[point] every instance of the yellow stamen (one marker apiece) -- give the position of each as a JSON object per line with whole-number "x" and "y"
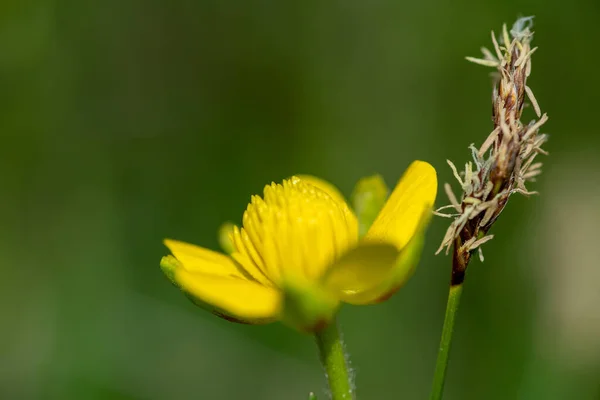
{"x": 296, "y": 231}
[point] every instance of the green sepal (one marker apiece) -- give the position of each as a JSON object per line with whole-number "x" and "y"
{"x": 225, "y": 237}
{"x": 308, "y": 307}
{"x": 168, "y": 265}
{"x": 368, "y": 197}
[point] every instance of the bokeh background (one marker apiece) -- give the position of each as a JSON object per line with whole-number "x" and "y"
{"x": 124, "y": 122}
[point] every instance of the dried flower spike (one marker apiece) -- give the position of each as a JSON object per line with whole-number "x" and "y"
{"x": 505, "y": 160}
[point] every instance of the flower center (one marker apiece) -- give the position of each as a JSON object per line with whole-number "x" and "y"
{"x": 296, "y": 231}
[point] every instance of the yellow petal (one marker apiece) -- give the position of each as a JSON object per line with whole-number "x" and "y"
{"x": 200, "y": 260}
{"x": 399, "y": 219}
{"x": 334, "y": 193}
{"x": 401, "y": 270}
{"x": 240, "y": 299}
{"x": 359, "y": 273}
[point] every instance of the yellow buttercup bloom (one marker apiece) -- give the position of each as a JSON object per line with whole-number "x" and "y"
{"x": 298, "y": 253}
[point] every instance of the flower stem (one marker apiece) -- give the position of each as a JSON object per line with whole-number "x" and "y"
{"x": 442, "y": 359}
{"x": 333, "y": 358}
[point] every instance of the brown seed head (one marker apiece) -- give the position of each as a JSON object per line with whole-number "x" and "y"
{"x": 504, "y": 162}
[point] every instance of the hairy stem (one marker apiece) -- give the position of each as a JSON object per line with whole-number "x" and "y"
{"x": 333, "y": 358}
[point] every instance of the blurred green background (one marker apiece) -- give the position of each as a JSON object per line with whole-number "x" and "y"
{"x": 124, "y": 122}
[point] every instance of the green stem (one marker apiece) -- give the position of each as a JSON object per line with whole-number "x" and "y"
{"x": 333, "y": 358}
{"x": 446, "y": 340}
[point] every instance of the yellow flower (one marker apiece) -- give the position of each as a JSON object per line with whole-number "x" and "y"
{"x": 298, "y": 253}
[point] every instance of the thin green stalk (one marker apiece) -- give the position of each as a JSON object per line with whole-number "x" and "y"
{"x": 442, "y": 359}
{"x": 333, "y": 358}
